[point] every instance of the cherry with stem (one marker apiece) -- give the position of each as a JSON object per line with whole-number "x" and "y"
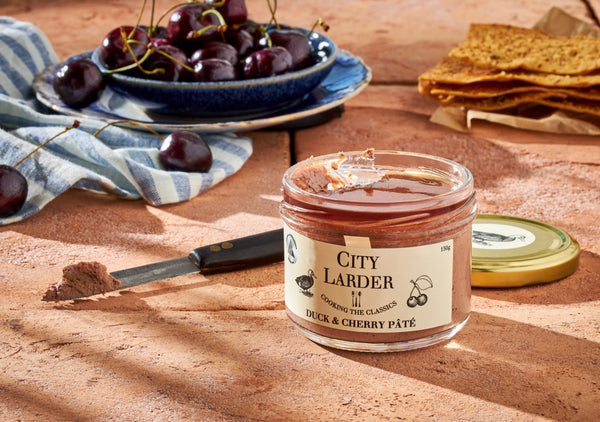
{"x": 13, "y": 185}
{"x": 180, "y": 151}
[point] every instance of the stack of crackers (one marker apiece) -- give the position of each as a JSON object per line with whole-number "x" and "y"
{"x": 499, "y": 67}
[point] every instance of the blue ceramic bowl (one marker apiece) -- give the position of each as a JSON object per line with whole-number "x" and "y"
{"x": 240, "y": 99}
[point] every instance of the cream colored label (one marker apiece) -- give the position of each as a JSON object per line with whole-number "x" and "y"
{"x": 358, "y": 288}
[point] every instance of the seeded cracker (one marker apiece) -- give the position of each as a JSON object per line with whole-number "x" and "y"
{"x": 496, "y": 89}
{"x": 457, "y": 71}
{"x": 495, "y": 103}
{"x": 501, "y": 67}
{"x": 509, "y": 47}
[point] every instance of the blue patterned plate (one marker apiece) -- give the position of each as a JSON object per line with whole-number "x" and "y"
{"x": 348, "y": 77}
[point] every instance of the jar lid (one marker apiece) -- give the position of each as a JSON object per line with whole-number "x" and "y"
{"x": 514, "y": 252}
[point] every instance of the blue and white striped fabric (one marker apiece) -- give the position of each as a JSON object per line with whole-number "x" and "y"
{"x": 119, "y": 161}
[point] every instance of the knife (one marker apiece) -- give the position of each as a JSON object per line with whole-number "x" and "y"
{"x": 245, "y": 252}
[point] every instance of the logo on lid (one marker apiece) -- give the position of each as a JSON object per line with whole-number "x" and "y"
{"x": 500, "y": 236}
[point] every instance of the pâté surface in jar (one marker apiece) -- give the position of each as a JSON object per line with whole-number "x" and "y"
{"x": 378, "y": 249}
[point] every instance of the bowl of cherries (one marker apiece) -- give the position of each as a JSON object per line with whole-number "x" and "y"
{"x": 211, "y": 61}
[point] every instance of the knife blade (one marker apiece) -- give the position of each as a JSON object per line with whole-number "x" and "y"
{"x": 237, "y": 254}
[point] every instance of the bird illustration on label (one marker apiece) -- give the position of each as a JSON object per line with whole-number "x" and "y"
{"x": 305, "y": 282}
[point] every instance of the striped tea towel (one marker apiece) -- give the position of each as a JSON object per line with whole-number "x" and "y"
{"x": 119, "y": 161}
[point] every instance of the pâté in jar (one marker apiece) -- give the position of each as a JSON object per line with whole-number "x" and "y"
{"x": 378, "y": 249}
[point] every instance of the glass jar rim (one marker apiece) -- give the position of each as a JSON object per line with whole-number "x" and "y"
{"x": 452, "y": 172}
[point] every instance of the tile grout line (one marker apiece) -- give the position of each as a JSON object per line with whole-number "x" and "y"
{"x": 592, "y": 12}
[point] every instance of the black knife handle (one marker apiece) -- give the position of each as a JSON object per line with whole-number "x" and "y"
{"x": 245, "y": 252}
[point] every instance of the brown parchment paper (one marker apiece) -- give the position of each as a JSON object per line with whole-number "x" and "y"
{"x": 556, "y": 22}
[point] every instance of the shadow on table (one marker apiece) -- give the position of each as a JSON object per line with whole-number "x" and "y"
{"x": 88, "y": 219}
{"x": 509, "y": 363}
{"x": 81, "y": 345}
{"x": 493, "y": 359}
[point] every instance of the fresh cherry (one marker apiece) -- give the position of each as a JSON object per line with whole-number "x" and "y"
{"x": 185, "y": 151}
{"x": 233, "y": 11}
{"x": 267, "y": 62}
{"x": 192, "y": 25}
{"x": 166, "y": 63}
{"x": 253, "y": 28}
{"x": 215, "y": 70}
{"x": 78, "y": 83}
{"x": 13, "y": 190}
{"x": 296, "y": 43}
{"x": 242, "y": 41}
{"x": 216, "y": 50}
{"x": 13, "y": 185}
{"x": 115, "y": 49}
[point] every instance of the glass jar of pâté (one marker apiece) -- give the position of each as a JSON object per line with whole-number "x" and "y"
{"x": 378, "y": 249}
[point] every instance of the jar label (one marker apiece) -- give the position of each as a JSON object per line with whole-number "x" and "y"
{"x": 377, "y": 290}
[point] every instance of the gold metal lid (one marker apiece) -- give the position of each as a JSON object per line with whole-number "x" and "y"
{"x": 515, "y": 252}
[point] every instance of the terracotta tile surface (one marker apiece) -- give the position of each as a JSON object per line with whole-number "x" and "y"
{"x": 220, "y": 347}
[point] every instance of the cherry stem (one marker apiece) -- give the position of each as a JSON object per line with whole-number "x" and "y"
{"x": 126, "y": 44}
{"x": 139, "y": 18}
{"x": 168, "y": 56}
{"x": 217, "y": 14}
{"x": 197, "y": 34}
{"x": 273, "y": 9}
{"x": 127, "y": 37}
{"x": 318, "y": 22}
{"x": 221, "y": 28}
{"x": 269, "y": 40}
{"x": 137, "y": 63}
{"x": 133, "y": 122}
{"x": 73, "y": 126}
{"x": 151, "y": 30}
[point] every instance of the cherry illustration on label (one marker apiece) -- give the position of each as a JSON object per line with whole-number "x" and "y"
{"x": 417, "y": 297}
